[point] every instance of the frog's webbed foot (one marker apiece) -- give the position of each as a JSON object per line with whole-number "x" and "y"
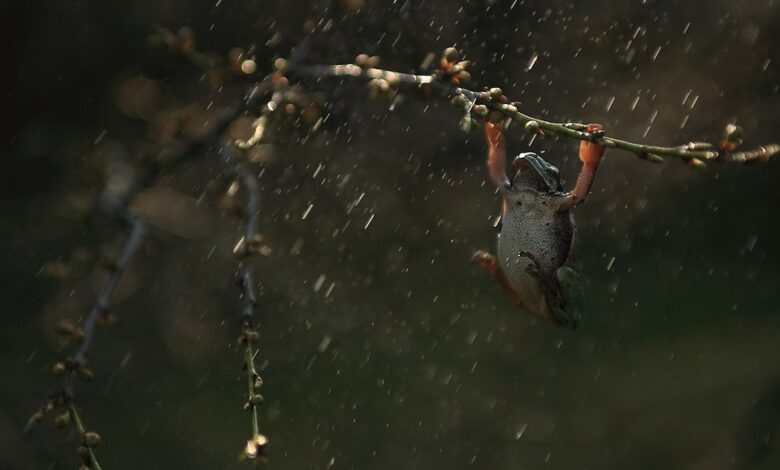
{"x": 490, "y": 264}
{"x": 552, "y": 292}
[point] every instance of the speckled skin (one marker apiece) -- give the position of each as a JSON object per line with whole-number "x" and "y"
{"x": 537, "y": 231}
{"x": 536, "y": 238}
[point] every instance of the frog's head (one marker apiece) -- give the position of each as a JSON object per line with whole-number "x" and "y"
{"x": 530, "y": 171}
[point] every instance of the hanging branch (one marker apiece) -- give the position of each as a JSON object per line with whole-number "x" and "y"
{"x": 445, "y": 83}
{"x": 75, "y": 367}
{"x": 249, "y": 244}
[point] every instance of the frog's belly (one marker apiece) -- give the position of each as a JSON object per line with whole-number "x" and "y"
{"x": 531, "y": 248}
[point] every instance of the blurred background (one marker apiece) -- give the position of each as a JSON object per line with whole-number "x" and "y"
{"x": 382, "y": 346}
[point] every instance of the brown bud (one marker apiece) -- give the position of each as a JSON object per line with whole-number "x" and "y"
{"x": 258, "y": 382}
{"x": 362, "y": 61}
{"x": 697, "y": 164}
{"x": 495, "y": 94}
{"x": 732, "y": 138}
{"x": 733, "y": 133}
{"x": 451, "y": 54}
{"x": 34, "y": 421}
{"x": 257, "y": 245}
{"x": 280, "y": 64}
{"x": 255, "y": 446}
{"x": 91, "y": 439}
{"x": 256, "y": 399}
{"x": 62, "y": 420}
{"x": 251, "y": 336}
{"x": 83, "y": 373}
{"x": 249, "y": 66}
{"x": 464, "y": 78}
{"x": 58, "y": 368}
{"x": 82, "y": 452}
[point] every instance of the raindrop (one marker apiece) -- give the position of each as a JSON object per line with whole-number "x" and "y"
{"x": 318, "y": 284}
{"x": 610, "y": 102}
{"x": 655, "y": 53}
{"x": 634, "y": 102}
{"x": 370, "y": 219}
{"x": 532, "y": 62}
{"x": 306, "y": 213}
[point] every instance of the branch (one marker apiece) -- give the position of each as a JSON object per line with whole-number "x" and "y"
{"x": 445, "y": 84}
{"x": 100, "y": 309}
{"x": 250, "y": 243}
{"x": 75, "y": 367}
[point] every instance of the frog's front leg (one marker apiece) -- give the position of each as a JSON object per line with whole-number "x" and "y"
{"x": 591, "y": 153}
{"x": 490, "y": 264}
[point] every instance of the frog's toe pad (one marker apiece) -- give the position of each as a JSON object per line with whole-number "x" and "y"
{"x": 484, "y": 259}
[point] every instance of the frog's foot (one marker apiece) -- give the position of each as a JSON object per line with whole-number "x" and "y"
{"x": 485, "y": 260}
{"x": 490, "y": 264}
{"x": 552, "y": 292}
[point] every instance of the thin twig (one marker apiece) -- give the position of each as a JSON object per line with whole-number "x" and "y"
{"x": 249, "y": 335}
{"x": 74, "y": 415}
{"x": 100, "y": 309}
{"x": 499, "y": 103}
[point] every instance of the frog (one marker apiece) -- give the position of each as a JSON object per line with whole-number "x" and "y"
{"x": 537, "y": 229}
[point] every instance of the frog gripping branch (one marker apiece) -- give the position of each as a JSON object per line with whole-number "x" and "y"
{"x": 537, "y": 229}
{"x": 591, "y": 153}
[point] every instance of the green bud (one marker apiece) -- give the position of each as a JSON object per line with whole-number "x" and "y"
{"x": 464, "y": 77}
{"x": 651, "y": 157}
{"x": 466, "y": 124}
{"x": 459, "y": 101}
{"x": 480, "y": 110}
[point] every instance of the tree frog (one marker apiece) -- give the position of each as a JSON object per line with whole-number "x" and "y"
{"x": 537, "y": 229}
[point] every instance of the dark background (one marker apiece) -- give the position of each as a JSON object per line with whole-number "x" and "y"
{"x": 413, "y": 359}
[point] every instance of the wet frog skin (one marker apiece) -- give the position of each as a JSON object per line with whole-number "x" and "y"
{"x": 537, "y": 230}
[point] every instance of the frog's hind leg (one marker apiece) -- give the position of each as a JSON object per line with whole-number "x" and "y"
{"x": 552, "y": 292}
{"x": 490, "y": 264}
